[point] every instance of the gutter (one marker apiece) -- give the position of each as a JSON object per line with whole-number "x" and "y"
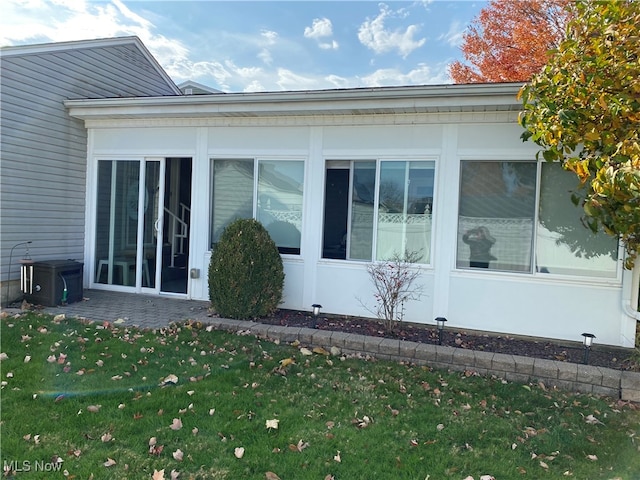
{"x": 489, "y": 97}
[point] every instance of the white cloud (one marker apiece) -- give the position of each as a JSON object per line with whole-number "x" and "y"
{"x": 454, "y": 36}
{"x": 270, "y": 36}
{"x": 421, "y": 75}
{"x": 374, "y": 35}
{"x": 320, "y": 29}
{"x": 333, "y": 45}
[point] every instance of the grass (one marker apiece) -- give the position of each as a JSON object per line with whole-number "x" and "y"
{"x": 98, "y": 408}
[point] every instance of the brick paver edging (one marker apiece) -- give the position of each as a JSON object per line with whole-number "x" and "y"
{"x": 618, "y": 384}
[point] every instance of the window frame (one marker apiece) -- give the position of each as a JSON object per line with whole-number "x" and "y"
{"x": 348, "y": 163}
{"x": 533, "y": 271}
{"x": 255, "y": 190}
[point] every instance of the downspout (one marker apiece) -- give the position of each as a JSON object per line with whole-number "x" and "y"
{"x": 630, "y": 305}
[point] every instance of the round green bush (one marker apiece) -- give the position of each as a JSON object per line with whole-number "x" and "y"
{"x": 246, "y": 277}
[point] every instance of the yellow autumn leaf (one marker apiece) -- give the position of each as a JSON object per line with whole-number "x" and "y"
{"x": 286, "y": 362}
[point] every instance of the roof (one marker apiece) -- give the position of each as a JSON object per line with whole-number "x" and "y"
{"x": 358, "y": 101}
{"x": 196, "y": 88}
{"x": 24, "y": 50}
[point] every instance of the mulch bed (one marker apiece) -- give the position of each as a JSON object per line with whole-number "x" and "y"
{"x": 600, "y": 355}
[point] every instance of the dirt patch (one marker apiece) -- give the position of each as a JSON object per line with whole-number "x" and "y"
{"x": 600, "y": 355}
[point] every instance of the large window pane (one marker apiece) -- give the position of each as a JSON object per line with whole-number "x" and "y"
{"x": 496, "y": 215}
{"x": 277, "y": 203}
{"x": 232, "y": 197}
{"x": 564, "y": 245}
{"x": 404, "y": 210}
{"x": 362, "y": 210}
{"x": 280, "y": 202}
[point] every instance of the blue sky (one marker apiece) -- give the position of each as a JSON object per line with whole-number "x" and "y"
{"x": 245, "y": 46}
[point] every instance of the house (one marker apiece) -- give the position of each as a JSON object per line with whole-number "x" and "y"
{"x": 44, "y": 150}
{"x": 194, "y": 88}
{"x": 342, "y": 178}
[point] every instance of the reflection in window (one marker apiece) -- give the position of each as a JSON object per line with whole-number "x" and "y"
{"x": 280, "y": 202}
{"x": 274, "y": 198}
{"x": 375, "y": 210}
{"x": 564, "y": 245}
{"x": 496, "y": 215}
{"x": 496, "y": 225}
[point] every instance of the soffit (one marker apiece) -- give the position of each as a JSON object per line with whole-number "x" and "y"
{"x": 348, "y": 102}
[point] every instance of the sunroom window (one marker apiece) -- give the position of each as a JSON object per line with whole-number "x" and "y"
{"x": 498, "y": 228}
{"x": 563, "y": 245}
{"x": 377, "y": 209}
{"x": 270, "y": 191}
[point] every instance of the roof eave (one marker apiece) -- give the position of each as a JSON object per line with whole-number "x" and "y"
{"x": 414, "y": 99}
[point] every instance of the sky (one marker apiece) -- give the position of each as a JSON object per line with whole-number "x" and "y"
{"x": 255, "y": 46}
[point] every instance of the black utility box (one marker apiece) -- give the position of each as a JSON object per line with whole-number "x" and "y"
{"x": 50, "y": 278}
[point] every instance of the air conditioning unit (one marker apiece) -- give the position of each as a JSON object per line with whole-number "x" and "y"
{"x": 55, "y": 282}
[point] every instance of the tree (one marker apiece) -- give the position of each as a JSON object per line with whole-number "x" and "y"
{"x": 510, "y": 39}
{"x": 583, "y": 109}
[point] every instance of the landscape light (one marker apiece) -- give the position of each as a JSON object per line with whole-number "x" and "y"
{"x": 440, "y": 322}
{"x": 587, "y": 342}
{"x": 316, "y": 312}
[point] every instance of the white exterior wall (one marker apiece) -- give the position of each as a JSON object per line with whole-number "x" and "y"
{"x": 518, "y": 304}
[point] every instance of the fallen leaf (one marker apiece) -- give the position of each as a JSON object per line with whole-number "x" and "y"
{"x": 487, "y": 477}
{"x": 110, "y": 462}
{"x": 305, "y": 351}
{"x": 174, "y": 474}
{"x": 272, "y": 424}
{"x": 590, "y": 419}
{"x": 239, "y": 452}
{"x": 176, "y": 424}
{"x": 299, "y": 447}
{"x": 3, "y": 356}
{"x": 544, "y": 465}
{"x": 106, "y": 437}
{"x": 288, "y": 361}
{"x": 27, "y": 358}
{"x": 169, "y": 380}
{"x": 271, "y": 476}
{"x": 178, "y": 455}
{"x": 320, "y": 351}
{"x": 593, "y": 458}
{"x": 337, "y": 457}
{"x": 94, "y": 408}
{"x": 158, "y": 475}
{"x": 440, "y": 427}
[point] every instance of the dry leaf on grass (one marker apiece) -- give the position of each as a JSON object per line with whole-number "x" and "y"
{"x": 299, "y": 447}
{"x": 178, "y": 455}
{"x": 271, "y": 476}
{"x": 176, "y": 424}
{"x": 239, "y": 452}
{"x": 158, "y": 475}
{"x": 110, "y": 462}
{"x": 272, "y": 424}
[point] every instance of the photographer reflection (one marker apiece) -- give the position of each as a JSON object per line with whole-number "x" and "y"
{"x": 480, "y": 242}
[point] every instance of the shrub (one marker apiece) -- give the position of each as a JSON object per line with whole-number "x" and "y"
{"x": 246, "y": 277}
{"x": 394, "y": 284}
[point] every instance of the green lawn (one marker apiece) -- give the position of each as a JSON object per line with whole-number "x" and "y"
{"x": 88, "y": 400}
